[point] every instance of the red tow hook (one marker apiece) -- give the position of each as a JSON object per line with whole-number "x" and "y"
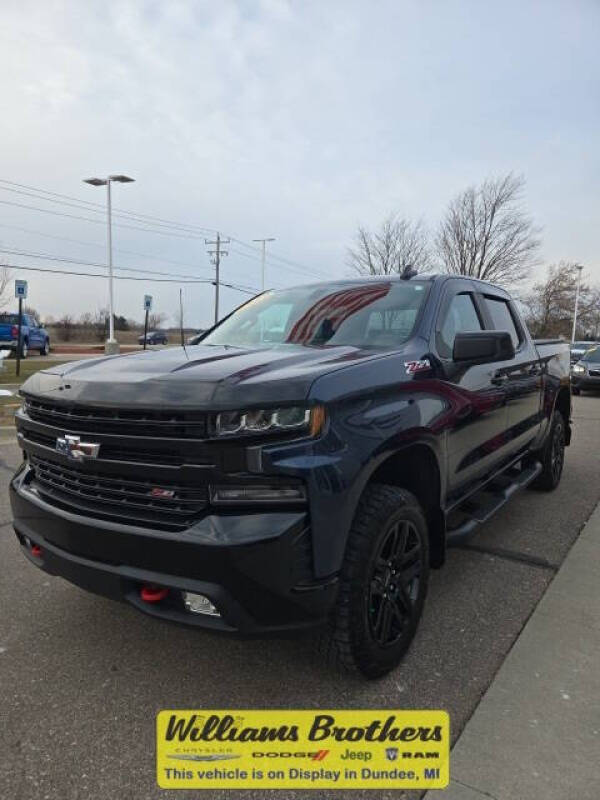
{"x": 36, "y": 550}
{"x": 153, "y": 594}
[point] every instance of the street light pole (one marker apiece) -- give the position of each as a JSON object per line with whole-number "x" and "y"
{"x": 263, "y": 257}
{"x": 111, "y": 318}
{"x": 580, "y": 270}
{"x": 111, "y": 346}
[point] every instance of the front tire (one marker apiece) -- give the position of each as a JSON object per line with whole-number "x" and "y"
{"x": 552, "y": 456}
{"x": 45, "y": 350}
{"x": 383, "y": 584}
{"x": 24, "y": 349}
{"x": 575, "y": 390}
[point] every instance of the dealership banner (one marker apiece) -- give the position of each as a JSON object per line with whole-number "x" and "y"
{"x": 368, "y": 749}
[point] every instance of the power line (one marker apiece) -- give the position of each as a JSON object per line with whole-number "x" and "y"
{"x": 153, "y": 224}
{"x": 98, "y": 221}
{"x": 125, "y": 277}
{"x": 103, "y": 246}
{"x": 98, "y": 207}
{"x": 67, "y": 260}
{"x": 150, "y": 220}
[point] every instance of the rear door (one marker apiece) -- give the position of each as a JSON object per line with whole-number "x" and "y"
{"x": 34, "y": 334}
{"x": 476, "y": 440}
{"x": 522, "y": 375}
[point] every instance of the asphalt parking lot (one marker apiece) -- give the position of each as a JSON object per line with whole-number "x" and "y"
{"x": 81, "y": 678}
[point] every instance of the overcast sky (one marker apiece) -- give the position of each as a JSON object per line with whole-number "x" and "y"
{"x": 295, "y": 120}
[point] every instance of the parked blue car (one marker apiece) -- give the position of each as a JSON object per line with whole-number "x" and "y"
{"x": 33, "y": 335}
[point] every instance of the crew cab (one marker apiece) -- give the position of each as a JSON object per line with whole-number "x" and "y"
{"x": 33, "y": 335}
{"x": 247, "y": 486}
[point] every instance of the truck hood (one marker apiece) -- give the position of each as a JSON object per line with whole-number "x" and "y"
{"x": 202, "y": 376}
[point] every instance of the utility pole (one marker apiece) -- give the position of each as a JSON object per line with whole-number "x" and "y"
{"x": 216, "y": 260}
{"x": 264, "y": 257}
{"x": 580, "y": 270}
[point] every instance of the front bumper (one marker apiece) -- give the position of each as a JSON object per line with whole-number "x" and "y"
{"x": 586, "y": 381}
{"x": 255, "y": 567}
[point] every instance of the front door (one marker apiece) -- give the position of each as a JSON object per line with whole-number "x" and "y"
{"x": 476, "y": 433}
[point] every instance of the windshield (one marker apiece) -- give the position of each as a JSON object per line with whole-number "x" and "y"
{"x": 592, "y": 355}
{"x": 381, "y": 314}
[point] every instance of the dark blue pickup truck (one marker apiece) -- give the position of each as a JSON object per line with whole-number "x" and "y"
{"x": 33, "y": 335}
{"x": 306, "y": 463}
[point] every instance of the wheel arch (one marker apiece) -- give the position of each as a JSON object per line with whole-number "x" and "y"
{"x": 415, "y": 467}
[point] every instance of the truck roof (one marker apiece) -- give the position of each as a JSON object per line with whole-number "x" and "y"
{"x": 431, "y": 277}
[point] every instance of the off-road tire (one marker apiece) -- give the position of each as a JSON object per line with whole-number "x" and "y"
{"x": 348, "y": 642}
{"x": 552, "y": 455}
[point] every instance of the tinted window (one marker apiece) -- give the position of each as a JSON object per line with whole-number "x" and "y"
{"x": 378, "y": 313}
{"x": 460, "y": 317}
{"x": 592, "y": 355}
{"x": 9, "y": 319}
{"x": 502, "y": 319}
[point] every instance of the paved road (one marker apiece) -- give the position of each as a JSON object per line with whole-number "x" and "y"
{"x": 81, "y": 678}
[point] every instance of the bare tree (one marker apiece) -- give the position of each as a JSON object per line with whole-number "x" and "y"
{"x": 66, "y": 324}
{"x": 100, "y": 323}
{"x": 397, "y": 243}
{"x": 487, "y": 234}
{"x": 5, "y": 280}
{"x": 156, "y": 319}
{"x": 551, "y": 304}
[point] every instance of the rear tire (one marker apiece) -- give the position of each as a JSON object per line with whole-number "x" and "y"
{"x": 24, "y": 349}
{"x": 552, "y": 456}
{"x": 383, "y": 584}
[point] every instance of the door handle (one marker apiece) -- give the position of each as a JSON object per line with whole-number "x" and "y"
{"x": 499, "y": 378}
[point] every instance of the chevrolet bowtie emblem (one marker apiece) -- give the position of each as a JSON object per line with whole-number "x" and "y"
{"x": 73, "y": 447}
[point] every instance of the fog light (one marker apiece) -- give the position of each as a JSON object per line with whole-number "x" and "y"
{"x": 199, "y": 604}
{"x": 258, "y": 494}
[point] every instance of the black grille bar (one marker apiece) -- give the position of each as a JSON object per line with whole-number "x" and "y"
{"x": 140, "y": 502}
{"x": 133, "y": 422}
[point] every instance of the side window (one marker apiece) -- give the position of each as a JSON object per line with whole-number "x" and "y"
{"x": 461, "y": 316}
{"x": 502, "y": 319}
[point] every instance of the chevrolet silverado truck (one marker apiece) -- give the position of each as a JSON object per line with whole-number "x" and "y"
{"x": 305, "y": 464}
{"x": 33, "y": 335}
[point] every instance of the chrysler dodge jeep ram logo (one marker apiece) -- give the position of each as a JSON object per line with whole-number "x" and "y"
{"x": 73, "y": 447}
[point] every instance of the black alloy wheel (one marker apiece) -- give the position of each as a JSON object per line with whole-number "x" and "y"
{"x": 552, "y": 455}
{"x": 394, "y": 585}
{"x": 382, "y": 584}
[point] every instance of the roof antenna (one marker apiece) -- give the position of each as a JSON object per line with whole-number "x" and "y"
{"x": 407, "y": 272}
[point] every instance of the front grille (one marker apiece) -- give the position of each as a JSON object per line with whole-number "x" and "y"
{"x": 118, "y": 498}
{"x": 90, "y": 419}
{"x": 140, "y": 453}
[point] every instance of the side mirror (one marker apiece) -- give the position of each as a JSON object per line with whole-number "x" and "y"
{"x": 483, "y": 346}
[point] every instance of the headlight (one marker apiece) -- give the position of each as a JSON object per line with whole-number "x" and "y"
{"x": 294, "y": 419}
{"x": 579, "y": 369}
